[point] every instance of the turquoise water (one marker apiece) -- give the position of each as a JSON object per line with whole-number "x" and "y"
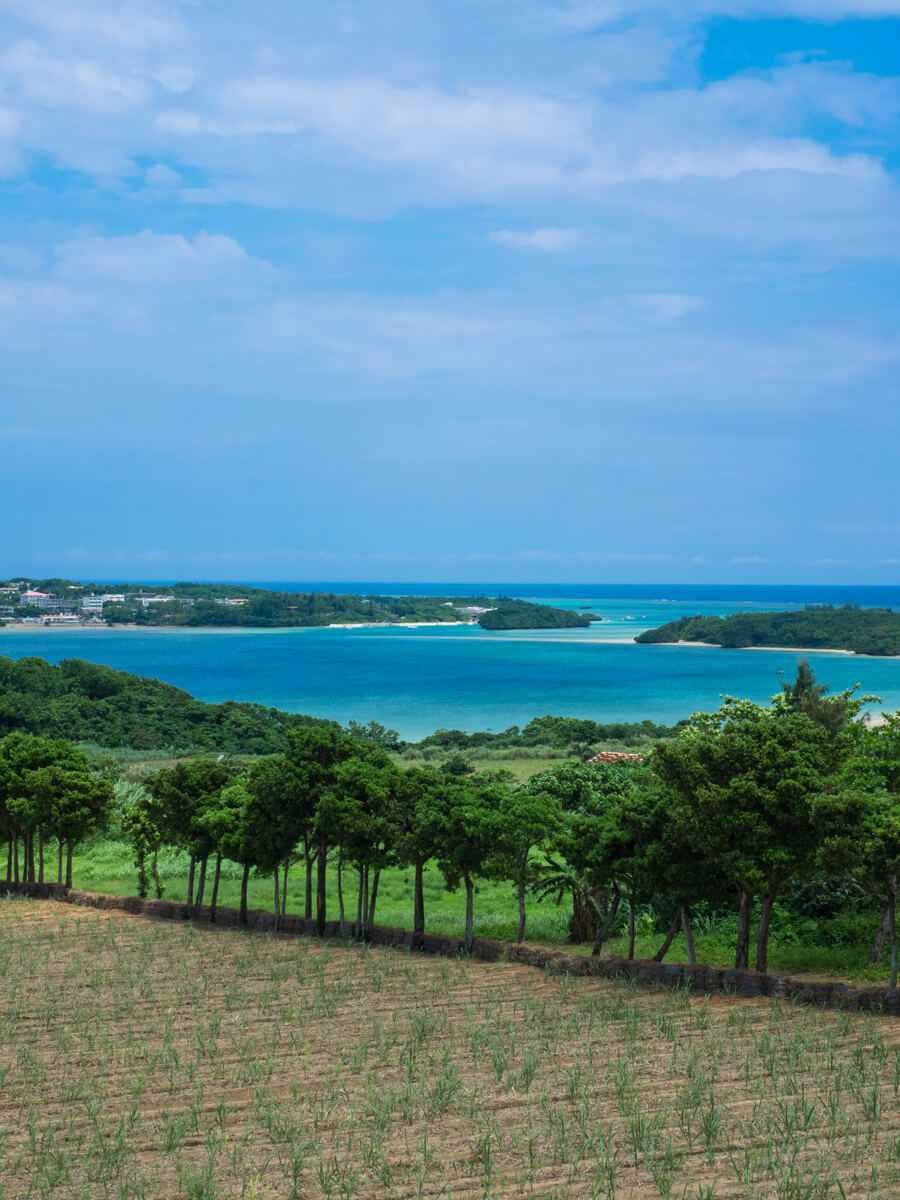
{"x": 416, "y": 680}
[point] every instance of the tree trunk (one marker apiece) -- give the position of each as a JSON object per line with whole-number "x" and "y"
{"x": 284, "y": 879}
{"x": 762, "y": 939}
{"x": 892, "y": 931}
{"x": 340, "y": 890}
{"x": 59, "y": 874}
{"x": 670, "y": 938}
{"x": 40, "y": 856}
{"x": 308, "y": 859}
{"x": 365, "y": 907}
{"x": 320, "y": 885}
{"x": 630, "y": 928}
{"x": 140, "y": 861}
{"x": 604, "y": 929}
{"x": 9, "y": 861}
{"x": 878, "y": 944}
{"x": 688, "y": 934}
{"x": 69, "y": 848}
{"x": 190, "y": 896}
{"x": 358, "y": 931}
{"x": 277, "y": 902}
{"x": 418, "y": 940}
{"x": 16, "y": 859}
{"x": 242, "y": 917}
{"x": 742, "y": 950}
{"x": 201, "y": 886}
{"x": 370, "y": 921}
{"x": 470, "y": 916}
{"x": 29, "y": 856}
{"x": 215, "y": 891}
{"x": 157, "y": 882}
{"x": 521, "y": 899}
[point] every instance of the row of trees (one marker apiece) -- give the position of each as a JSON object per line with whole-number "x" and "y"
{"x": 743, "y": 804}
{"x": 48, "y": 792}
{"x": 331, "y": 802}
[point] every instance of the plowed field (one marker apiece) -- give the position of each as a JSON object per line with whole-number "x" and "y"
{"x": 145, "y": 1060}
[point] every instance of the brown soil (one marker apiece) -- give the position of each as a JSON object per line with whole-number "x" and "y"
{"x": 140, "y": 1059}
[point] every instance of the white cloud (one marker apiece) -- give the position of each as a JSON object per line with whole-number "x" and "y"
{"x": 550, "y": 238}
{"x": 666, "y": 306}
{"x": 52, "y": 82}
{"x": 149, "y": 257}
{"x": 161, "y": 176}
{"x": 593, "y": 14}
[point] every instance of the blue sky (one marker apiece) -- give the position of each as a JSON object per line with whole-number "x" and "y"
{"x": 581, "y": 290}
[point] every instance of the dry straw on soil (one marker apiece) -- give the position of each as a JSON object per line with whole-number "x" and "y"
{"x": 144, "y": 1060}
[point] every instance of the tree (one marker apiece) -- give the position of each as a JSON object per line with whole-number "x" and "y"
{"x": 581, "y": 791}
{"x": 73, "y": 803}
{"x": 359, "y": 812}
{"x": 745, "y": 778}
{"x": 314, "y": 755}
{"x": 530, "y": 817}
{"x": 860, "y": 834}
{"x": 280, "y": 812}
{"x": 422, "y": 802}
{"x": 25, "y": 803}
{"x": 473, "y": 827}
{"x": 182, "y": 794}
{"x": 233, "y": 824}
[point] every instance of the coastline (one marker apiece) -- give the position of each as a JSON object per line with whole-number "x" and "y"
{"x": 784, "y": 649}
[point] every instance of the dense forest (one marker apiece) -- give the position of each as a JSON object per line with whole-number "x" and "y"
{"x": 817, "y": 627}
{"x": 87, "y": 702}
{"x": 519, "y": 614}
{"x": 560, "y": 733}
{"x": 223, "y": 604}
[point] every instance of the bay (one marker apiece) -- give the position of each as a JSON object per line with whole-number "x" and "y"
{"x": 419, "y": 679}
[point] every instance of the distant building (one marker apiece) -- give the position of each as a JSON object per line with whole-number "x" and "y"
{"x": 145, "y": 599}
{"x": 46, "y": 602}
{"x": 94, "y": 603}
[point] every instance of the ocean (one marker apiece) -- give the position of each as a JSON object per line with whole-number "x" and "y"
{"x": 418, "y": 680}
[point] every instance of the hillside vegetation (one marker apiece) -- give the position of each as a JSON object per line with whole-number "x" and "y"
{"x": 87, "y": 702}
{"x": 817, "y": 627}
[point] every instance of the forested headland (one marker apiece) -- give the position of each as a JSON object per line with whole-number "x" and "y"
{"x": 201, "y": 605}
{"x": 816, "y": 627}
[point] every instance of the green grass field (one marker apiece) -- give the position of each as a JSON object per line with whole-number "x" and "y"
{"x": 106, "y": 866}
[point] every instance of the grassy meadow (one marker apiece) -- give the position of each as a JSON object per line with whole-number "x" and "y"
{"x": 145, "y": 1061}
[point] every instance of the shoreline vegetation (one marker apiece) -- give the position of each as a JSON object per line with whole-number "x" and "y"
{"x": 820, "y": 627}
{"x": 62, "y": 602}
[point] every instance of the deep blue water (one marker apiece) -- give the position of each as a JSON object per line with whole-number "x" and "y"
{"x": 416, "y": 680}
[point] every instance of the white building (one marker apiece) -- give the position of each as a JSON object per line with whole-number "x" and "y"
{"x": 45, "y": 602}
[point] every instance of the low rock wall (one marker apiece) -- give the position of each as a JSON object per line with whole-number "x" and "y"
{"x": 646, "y": 972}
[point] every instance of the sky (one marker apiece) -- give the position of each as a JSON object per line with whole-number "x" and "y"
{"x": 577, "y": 290}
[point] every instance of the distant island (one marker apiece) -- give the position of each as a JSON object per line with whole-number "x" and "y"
{"x": 210, "y": 605}
{"x": 816, "y": 627}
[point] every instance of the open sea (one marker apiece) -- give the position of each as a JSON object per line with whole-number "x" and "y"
{"x": 420, "y": 679}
